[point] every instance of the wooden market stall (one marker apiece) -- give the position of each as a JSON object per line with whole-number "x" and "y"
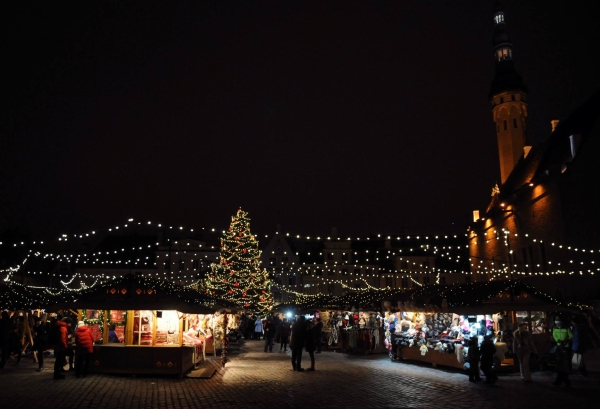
{"x": 433, "y": 324}
{"x": 141, "y": 326}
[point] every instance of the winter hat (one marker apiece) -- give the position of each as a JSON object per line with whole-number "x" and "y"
{"x": 80, "y": 323}
{"x": 67, "y": 320}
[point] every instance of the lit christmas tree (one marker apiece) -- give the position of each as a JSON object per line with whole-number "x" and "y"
{"x": 238, "y": 277}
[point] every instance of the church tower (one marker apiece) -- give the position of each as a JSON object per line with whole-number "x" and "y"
{"x": 508, "y": 97}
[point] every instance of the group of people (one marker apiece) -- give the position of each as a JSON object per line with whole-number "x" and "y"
{"x": 299, "y": 334}
{"x": 305, "y": 335}
{"x": 567, "y": 342}
{"x": 72, "y": 345}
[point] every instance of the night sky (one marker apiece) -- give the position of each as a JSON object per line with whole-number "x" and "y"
{"x": 371, "y": 116}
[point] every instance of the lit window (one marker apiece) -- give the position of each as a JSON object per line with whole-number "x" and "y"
{"x": 499, "y": 18}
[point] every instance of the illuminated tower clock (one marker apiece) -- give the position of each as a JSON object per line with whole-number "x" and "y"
{"x": 508, "y": 97}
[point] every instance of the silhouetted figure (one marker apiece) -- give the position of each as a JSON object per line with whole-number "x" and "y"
{"x": 297, "y": 343}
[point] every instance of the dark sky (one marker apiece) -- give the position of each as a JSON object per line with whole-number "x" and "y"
{"x": 371, "y": 116}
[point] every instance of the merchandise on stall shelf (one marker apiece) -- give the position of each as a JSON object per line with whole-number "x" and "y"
{"x": 437, "y": 331}
{"x": 358, "y": 331}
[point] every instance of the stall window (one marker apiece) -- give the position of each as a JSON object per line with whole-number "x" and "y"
{"x": 167, "y": 328}
{"x": 116, "y": 326}
{"x": 538, "y": 322}
{"x": 522, "y": 316}
{"x": 94, "y": 320}
{"x": 142, "y": 327}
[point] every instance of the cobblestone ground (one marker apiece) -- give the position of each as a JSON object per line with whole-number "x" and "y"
{"x": 254, "y": 379}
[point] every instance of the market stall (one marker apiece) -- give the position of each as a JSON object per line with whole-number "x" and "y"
{"x": 140, "y": 326}
{"x": 420, "y": 326}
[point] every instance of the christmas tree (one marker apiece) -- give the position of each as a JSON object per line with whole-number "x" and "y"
{"x": 238, "y": 276}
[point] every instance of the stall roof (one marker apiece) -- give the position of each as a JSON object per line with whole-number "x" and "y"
{"x": 136, "y": 292}
{"x": 15, "y": 296}
{"x": 482, "y": 297}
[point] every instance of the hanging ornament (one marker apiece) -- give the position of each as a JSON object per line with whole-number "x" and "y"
{"x": 244, "y": 294}
{"x": 245, "y": 251}
{"x": 263, "y": 291}
{"x": 230, "y": 292}
{"x": 241, "y": 234}
{"x": 237, "y": 284}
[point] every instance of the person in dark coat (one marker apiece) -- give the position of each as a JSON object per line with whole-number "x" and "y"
{"x": 113, "y": 338}
{"x": 60, "y": 347}
{"x": 297, "y": 343}
{"x": 487, "y": 351}
{"x": 6, "y": 328}
{"x": 250, "y": 327}
{"x": 284, "y": 335}
{"x": 40, "y": 341}
{"x": 84, "y": 349}
{"x": 473, "y": 359}
{"x": 310, "y": 343}
{"x": 318, "y": 334}
{"x": 270, "y": 330}
{"x": 580, "y": 342}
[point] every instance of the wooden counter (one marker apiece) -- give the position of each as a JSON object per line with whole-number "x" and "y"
{"x": 153, "y": 360}
{"x": 433, "y": 357}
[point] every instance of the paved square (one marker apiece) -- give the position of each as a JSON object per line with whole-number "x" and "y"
{"x": 254, "y": 379}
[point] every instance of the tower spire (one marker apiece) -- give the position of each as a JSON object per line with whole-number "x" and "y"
{"x": 507, "y": 96}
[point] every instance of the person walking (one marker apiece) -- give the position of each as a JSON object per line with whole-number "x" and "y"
{"x": 563, "y": 337}
{"x": 310, "y": 343}
{"x": 258, "y": 328}
{"x": 270, "y": 330}
{"x": 250, "y": 327}
{"x": 83, "y": 350}
{"x": 6, "y": 328}
{"x": 60, "y": 347}
{"x": 580, "y": 343}
{"x": 40, "y": 342}
{"x": 284, "y": 335}
{"x": 318, "y": 334}
{"x": 473, "y": 360}
{"x": 487, "y": 352}
{"x": 297, "y": 343}
{"x": 524, "y": 346}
